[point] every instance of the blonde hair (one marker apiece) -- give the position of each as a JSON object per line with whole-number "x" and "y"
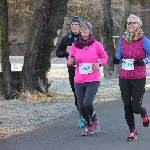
{"x": 136, "y": 18}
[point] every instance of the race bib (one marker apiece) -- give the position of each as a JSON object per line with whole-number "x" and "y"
{"x": 127, "y": 64}
{"x": 85, "y": 68}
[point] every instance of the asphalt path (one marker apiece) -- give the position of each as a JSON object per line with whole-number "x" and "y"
{"x": 63, "y": 134}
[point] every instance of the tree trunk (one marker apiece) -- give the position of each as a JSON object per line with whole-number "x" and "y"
{"x": 5, "y": 78}
{"x": 143, "y": 3}
{"x": 128, "y": 5}
{"x": 48, "y": 18}
{"x": 127, "y": 11}
{"x": 106, "y": 34}
{"x": 143, "y": 13}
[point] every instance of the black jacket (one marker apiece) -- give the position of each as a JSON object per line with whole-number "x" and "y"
{"x": 67, "y": 40}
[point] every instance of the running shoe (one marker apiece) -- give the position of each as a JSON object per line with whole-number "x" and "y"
{"x": 81, "y": 123}
{"x": 145, "y": 120}
{"x": 132, "y": 136}
{"x": 95, "y": 127}
{"x": 87, "y": 131}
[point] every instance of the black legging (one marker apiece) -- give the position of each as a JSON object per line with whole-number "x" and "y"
{"x": 86, "y": 93}
{"x": 132, "y": 91}
{"x": 71, "y": 79}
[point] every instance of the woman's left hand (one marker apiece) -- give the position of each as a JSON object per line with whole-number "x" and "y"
{"x": 95, "y": 66}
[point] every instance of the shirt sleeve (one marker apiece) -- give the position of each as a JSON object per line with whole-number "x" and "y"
{"x": 119, "y": 49}
{"x": 61, "y": 50}
{"x": 146, "y": 46}
{"x": 102, "y": 54}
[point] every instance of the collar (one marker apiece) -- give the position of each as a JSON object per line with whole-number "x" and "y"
{"x": 71, "y": 34}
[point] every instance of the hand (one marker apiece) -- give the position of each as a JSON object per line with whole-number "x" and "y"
{"x": 72, "y": 60}
{"x": 95, "y": 66}
{"x": 139, "y": 62}
{"x": 115, "y": 61}
{"x": 68, "y": 49}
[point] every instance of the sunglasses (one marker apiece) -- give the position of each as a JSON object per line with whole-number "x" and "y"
{"x": 84, "y": 28}
{"x": 131, "y": 23}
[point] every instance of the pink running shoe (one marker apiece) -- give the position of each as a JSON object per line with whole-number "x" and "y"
{"x": 132, "y": 136}
{"x": 95, "y": 127}
{"x": 87, "y": 131}
{"x": 91, "y": 130}
{"x": 145, "y": 120}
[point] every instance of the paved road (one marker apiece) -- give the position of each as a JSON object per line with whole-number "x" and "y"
{"x": 63, "y": 134}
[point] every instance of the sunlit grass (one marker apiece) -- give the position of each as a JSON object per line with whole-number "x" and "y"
{"x": 47, "y": 96}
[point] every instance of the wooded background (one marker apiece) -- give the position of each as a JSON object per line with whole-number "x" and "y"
{"x": 21, "y": 16}
{"x": 33, "y": 29}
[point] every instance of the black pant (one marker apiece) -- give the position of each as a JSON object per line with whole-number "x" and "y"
{"x": 86, "y": 93}
{"x": 132, "y": 91}
{"x": 71, "y": 71}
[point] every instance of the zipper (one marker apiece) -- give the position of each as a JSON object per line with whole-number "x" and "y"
{"x": 129, "y": 57}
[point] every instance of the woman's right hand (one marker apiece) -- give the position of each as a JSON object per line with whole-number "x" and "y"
{"x": 71, "y": 60}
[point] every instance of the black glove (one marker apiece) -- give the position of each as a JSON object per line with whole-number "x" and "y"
{"x": 139, "y": 62}
{"x": 116, "y": 61}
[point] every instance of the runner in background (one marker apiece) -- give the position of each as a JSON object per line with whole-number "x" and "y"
{"x": 63, "y": 51}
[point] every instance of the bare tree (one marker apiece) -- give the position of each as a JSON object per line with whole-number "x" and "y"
{"x": 5, "y": 78}
{"x": 106, "y": 34}
{"x": 48, "y": 18}
{"x": 143, "y": 13}
{"x": 128, "y": 5}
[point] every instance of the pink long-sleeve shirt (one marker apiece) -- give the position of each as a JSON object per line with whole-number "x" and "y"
{"x": 94, "y": 53}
